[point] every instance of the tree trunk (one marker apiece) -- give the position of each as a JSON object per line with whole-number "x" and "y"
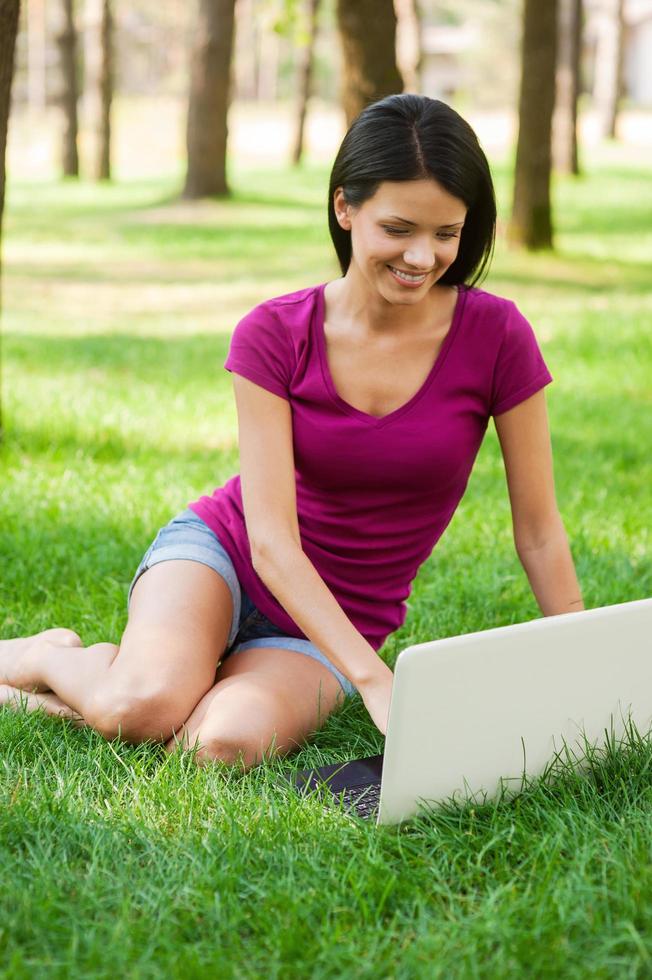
{"x": 67, "y": 44}
{"x": 608, "y": 81}
{"x": 368, "y": 34}
{"x": 36, "y": 56}
{"x": 305, "y": 79}
{"x": 9, "y": 10}
{"x": 564, "y": 124}
{"x": 244, "y": 84}
{"x": 255, "y": 45}
{"x": 408, "y": 43}
{"x": 210, "y": 83}
{"x": 99, "y": 83}
{"x": 268, "y": 64}
{"x": 531, "y": 222}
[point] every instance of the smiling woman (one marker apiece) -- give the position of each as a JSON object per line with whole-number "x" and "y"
{"x": 362, "y": 403}
{"x": 412, "y": 229}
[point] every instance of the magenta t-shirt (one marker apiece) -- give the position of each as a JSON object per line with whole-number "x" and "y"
{"x": 374, "y": 495}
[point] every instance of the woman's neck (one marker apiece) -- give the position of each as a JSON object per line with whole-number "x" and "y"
{"x": 352, "y": 300}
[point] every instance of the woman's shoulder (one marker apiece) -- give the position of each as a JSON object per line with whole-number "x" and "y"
{"x": 491, "y": 313}
{"x": 484, "y": 302}
{"x": 294, "y": 304}
{"x": 282, "y": 323}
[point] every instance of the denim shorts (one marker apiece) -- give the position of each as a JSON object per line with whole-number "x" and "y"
{"x": 188, "y": 537}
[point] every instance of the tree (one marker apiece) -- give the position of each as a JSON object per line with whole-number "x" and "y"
{"x": 66, "y": 38}
{"x": 408, "y": 43}
{"x": 305, "y": 79}
{"x": 608, "y": 83}
{"x": 531, "y": 220}
{"x": 368, "y": 34}
{"x": 210, "y": 89}
{"x": 564, "y": 124}
{"x": 9, "y": 11}
{"x": 37, "y": 94}
{"x": 99, "y": 83}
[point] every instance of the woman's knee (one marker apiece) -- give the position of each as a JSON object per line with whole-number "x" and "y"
{"x": 135, "y": 716}
{"x": 242, "y": 724}
{"x": 241, "y": 753}
{"x": 261, "y": 737}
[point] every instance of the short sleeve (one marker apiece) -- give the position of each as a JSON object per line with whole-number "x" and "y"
{"x": 260, "y": 351}
{"x": 520, "y": 369}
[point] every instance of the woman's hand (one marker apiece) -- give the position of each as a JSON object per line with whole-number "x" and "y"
{"x": 376, "y": 692}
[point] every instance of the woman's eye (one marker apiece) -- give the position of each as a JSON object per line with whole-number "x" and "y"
{"x": 443, "y": 236}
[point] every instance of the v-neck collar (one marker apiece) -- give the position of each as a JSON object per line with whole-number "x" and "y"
{"x": 374, "y": 420}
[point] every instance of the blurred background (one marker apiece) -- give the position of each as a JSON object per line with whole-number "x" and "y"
{"x": 297, "y": 69}
{"x": 167, "y": 166}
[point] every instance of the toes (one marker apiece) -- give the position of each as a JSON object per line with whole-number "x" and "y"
{"x": 60, "y": 637}
{"x": 49, "y": 703}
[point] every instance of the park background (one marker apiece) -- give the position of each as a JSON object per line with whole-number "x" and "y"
{"x": 120, "y": 288}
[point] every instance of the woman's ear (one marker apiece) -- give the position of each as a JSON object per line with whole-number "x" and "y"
{"x": 342, "y": 209}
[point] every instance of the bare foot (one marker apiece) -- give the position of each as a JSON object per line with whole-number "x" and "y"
{"x": 49, "y": 703}
{"x": 14, "y": 653}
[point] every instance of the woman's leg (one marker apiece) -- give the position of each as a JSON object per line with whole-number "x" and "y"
{"x": 179, "y": 622}
{"x": 265, "y": 701}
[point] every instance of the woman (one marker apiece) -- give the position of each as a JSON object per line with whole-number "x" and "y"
{"x": 362, "y": 404}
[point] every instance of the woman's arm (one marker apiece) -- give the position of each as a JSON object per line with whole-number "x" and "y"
{"x": 539, "y": 535}
{"x": 267, "y": 477}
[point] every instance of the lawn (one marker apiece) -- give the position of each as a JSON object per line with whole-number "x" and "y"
{"x": 118, "y": 860}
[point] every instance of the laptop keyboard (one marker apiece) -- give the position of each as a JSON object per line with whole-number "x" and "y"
{"x": 353, "y": 787}
{"x": 363, "y": 799}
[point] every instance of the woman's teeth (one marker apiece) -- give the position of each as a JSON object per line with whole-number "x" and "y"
{"x": 406, "y": 276}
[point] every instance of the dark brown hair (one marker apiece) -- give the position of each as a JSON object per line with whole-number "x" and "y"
{"x": 409, "y": 137}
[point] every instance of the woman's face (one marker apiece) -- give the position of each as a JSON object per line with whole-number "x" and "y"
{"x": 404, "y": 238}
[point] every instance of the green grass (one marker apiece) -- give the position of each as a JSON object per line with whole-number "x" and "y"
{"x": 119, "y": 860}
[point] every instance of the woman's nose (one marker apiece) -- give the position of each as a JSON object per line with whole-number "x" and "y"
{"x": 420, "y": 254}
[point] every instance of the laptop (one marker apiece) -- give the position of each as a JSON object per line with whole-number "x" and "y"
{"x": 471, "y": 716}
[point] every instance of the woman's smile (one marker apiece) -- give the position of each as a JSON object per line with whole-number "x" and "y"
{"x": 411, "y": 280}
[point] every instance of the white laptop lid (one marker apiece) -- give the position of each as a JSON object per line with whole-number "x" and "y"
{"x": 468, "y": 711}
